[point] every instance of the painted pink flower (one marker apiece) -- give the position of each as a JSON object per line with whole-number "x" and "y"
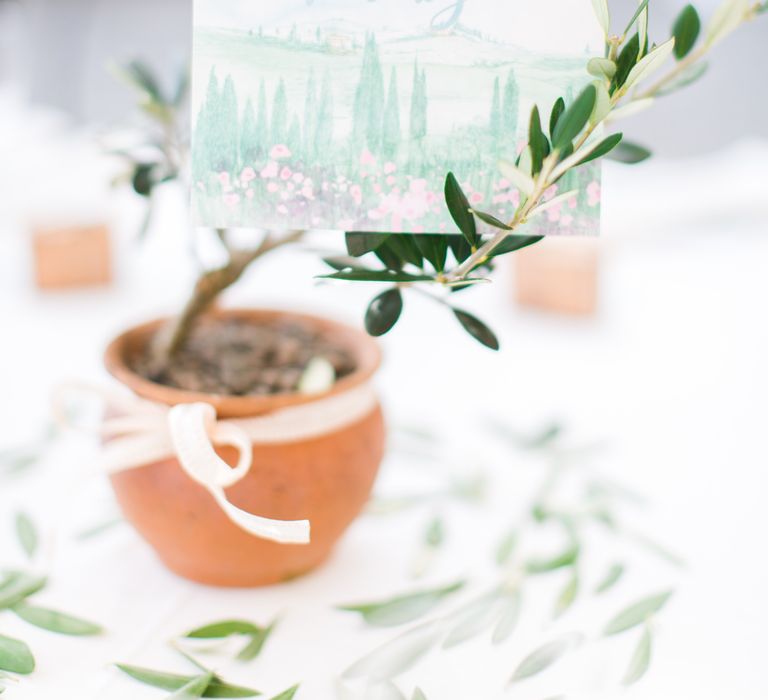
{"x": 250, "y": 194}
{"x": 572, "y": 202}
{"x": 272, "y": 187}
{"x": 290, "y": 187}
{"x": 367, "y": 158}
{"x": 504, "y": 184}
{"x": 285, "y": 173}
{"x": 282, "y": 209}
{"x": 307, "y": 192}
{"x": 231, "y": 200}
{"x": 391, "y": 180}
{"x": 298, "y": 178}
{"x": 550, "y": 192}
{"x": 566, "y": 220}
{"x": 357, "y": 194}
{"x": 247, "y": 175}
{"x": 377, "y": 189}
{"x": 594, "y": 193}
{"x": 553, "y": 213}
{"x": 514, "y": 197}
{"x": 500, "y": 198}
{"x": 269, "y": 170}
{"x": 475, "y": 198}
{"x": 279, "y": 151}
{"x": 389, "y": 168}
{"x": 224, "y": 178}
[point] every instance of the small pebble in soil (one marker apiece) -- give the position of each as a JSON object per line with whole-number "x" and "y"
{"x": 235, "y": 357}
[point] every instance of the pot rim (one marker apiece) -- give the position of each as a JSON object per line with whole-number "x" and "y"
{"x": 363, "y": 347}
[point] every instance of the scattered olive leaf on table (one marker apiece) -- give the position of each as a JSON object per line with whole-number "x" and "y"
{"x": 217, "y": 688}
{"x": 18, "y": 586}
{"x": 543, "y": 657}
{"x": 508, "y": 620}
{"x": 404, "y": 608}
{"x": 567, "y": 596}
{"x": 26, "y": 532}
{"x": 637, "y": 613}
{"x": 194, "y": 689}
{"x": 227, "y": 628}
{"x": 418, "y": 694}
{"x": 287, "y": 694}
{"x": 54, "y": 621}
{"x": 15, "y": 656}
{"x": 611, "y": 578}
{"x": 641, "y": 658}
{"x": 566, "y": 558}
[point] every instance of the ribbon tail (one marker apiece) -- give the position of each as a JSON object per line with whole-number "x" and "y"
{"x": 281, "y": 531}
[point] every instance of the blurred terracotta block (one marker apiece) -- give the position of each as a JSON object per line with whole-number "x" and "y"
{"x": 77, "y": 256}
{"x": 559, "y": 275}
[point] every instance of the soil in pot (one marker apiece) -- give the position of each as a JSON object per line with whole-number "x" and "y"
{"x": 237, "y": 357}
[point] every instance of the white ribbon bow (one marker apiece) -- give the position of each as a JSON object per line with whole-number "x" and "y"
{"x": 145, "y": 432}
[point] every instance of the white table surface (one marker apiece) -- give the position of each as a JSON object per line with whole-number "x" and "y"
{"x": 671, "y": 375}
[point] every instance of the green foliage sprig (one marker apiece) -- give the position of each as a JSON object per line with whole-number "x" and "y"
{"x": 569, "y": 139}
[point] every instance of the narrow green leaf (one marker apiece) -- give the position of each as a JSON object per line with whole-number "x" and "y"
{"x": 26, "y": 532}
{"x": 287, "y": 694}
{"x": 377, "y": 276}
{"x": 491, "y": 220}
{"x": 17, "y": 586}
{"x": 637, "y": 613}
{"x": 435, "y": 534}
{"x": 641, "y": 659}
{"x": 15, "y": 656}
{"x": 554, "y": 116}
{"x": 458, "y": 206}
{"x": 194, "y": 689}
{"x": 602, "y": 149}
{"x": 434, "y": 247}
{"x": 603, "y": 15}
{"x": 506, "y": 548}
{"x": 402, "y": 609}
{"x": 508, "y": 619}
{"x": 517, "y": 175}
{"x": 687, "y": 77}
{"x": 360, "y": 242}
{"x": 477, "y": 329}
{"x": 258, "y": 639}
{"x": 542, "y": 658}
{"x": 474, "y": 619}
{"x": 686, "y": 30}
{"x": 625, "y": 62}
{"x": 418, "y": 694}
{"x": 54, "y": 621}
{"x": 225, "y": 628}
{"x": 567, "y": 596}
{"x": 537, "y": 141}
{"x": 384, "y": 312}
{"x": 514, "y": 243}
{"x": 171, "y": 681}
{"x": 611, "y": 578}
{"x": 342, "y": 262}
{"x": 405, "y": 248}
{"x": 649, "y": 64}
{"x": 460, "y": 248}
{"x": 542, "y": 566}
{"x": 575, "y": 118}
{"x": 629, "y": 153}
{"x": 640, "y": 8}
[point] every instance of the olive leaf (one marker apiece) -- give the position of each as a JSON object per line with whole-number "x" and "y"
{"x": 513, "y": 243}
{"x": 566, "y": 558}
{"x": 376, "y": 276}
{"x": 384, "y": 312}
{"x": 687, "y": 77}
{"x": 641, "y": 659}
{"x": 567, "y": 596}
{"x": 506, "y": 548}
{"x": 629, "y": 153}
{"x": 473, "y": 619}
{"x": 54, "y": 621}
{"x": 637, "y": 613}
{"x": 418, "y": 694}
{"x": 397, "y": 655}
{"x": 601, "y": 149}
{"x": 287, "y": 694}
{"x": 15, "y": 656}
{"x": 575, "y": 118}
{"x": 625, "y": 62}
{"x": 537, "y": 141}
{"x": 26, "y": 532}
{"x": 359, "y": 242}
{"x": 543, "y": 657}
{"x": 508, "y": 620}
{"x": 611, "y": 578}
{"x": 458, "y": 206}
{"x": 17, "y": 586}
{"x": 194, "y": 689}
{"x": 686, "y": 30}
{"x": 228, "y": 628}
{"x": 491, "y": 220}
{"x": 402, "y": 609}
{"x": 603, "y": 15}
{"x": 217, "y": 688}
{"x": 557, "y": 110}
{"x": 477, "y": 329}
{"x": 640, "y": 9}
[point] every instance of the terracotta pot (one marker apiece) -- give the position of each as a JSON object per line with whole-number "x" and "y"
{"x": 325, "y": 479}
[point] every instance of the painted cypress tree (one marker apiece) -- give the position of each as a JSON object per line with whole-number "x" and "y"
{"x": 204, "y": 137}
{"x": 511, "y": 107}
{"x": 375, "y": 99}
{"x": 249, "y": 136}
{"x": 225, "y": 123}
{"x": 391, "y": 123}
{"x": 495, "y": 124}
{"x": 262, "y": 122}
{"x": 293, "y": 140}
{"x": 362, "y": 96}
{"x": 418, "y": 128}
{"x": 324, "y": 132}
{"x": 279, "y": 130}
{"x": 310, "y": 118}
